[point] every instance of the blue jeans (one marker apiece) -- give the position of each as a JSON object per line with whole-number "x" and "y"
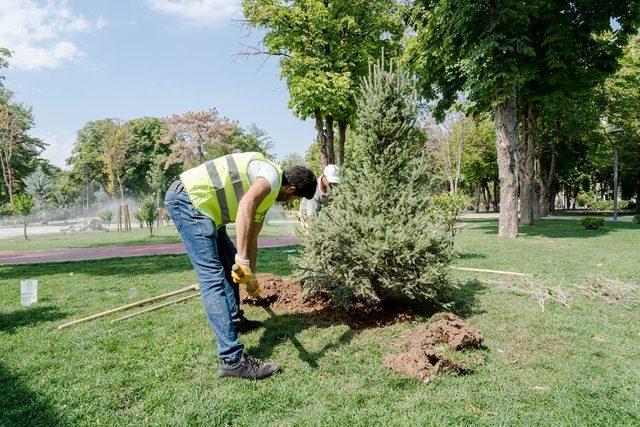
{"x": 212, "y": 255}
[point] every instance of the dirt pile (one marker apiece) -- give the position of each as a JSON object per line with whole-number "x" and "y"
{"x": 285, "y": 295}
{"x": 437, "y": 347}
{"x": 282, "y": 294}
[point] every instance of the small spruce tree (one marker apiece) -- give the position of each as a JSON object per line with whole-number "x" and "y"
{"x": 376, "y": 242}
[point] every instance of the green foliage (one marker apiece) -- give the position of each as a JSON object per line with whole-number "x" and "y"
{"x": 39, "y": 187}
{"x": 292, "y": 159}
{"x": 6, "y": 209}
{"x": 636, "y": 218}
{"x": 479, "y": 162}
{"x": 18, "y": 149}
{"x": 23, "y": 205}
{"x": 106, "y": 216}
{"x": 485, "y": 48}
{"x": 325, "y": 47}
{"x": 592, "y": 223}
{"x": 148, "y": 213}
{"x": 376, "y": 242}
{"x": 445, "y": 209}
{"x": 585, "y": 199}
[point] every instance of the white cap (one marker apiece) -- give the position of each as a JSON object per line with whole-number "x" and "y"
{"x": 331, "y": 173}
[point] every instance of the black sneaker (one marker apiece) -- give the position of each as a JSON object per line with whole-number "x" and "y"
{"x": 245, "y": 325}
{"x": 248, "y": 367}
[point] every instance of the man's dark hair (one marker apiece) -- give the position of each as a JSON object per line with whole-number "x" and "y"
{"x": 303, "y": 179}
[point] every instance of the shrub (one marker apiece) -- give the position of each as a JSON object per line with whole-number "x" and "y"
{"x": 376, "y": 241}
{"x": 592, "y": 223}
{"x": 583, "y": 199}
{"x": 23, "y": 206}
{"x": 6, "y": 210}
{"x": 106, "y": 216}
{"x": 148, "y": 213}
{"x": 446, "y": 208}
{"x": 636, "y": 218}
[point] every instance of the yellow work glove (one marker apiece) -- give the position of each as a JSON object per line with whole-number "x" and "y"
{"x": 241, "y": 273}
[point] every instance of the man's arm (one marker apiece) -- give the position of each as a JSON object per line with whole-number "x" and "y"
{"x": 253, "y": 245}
{"x": 246, "y": 229}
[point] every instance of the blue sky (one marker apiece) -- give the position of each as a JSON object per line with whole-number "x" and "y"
{"x": 82, "y": 60}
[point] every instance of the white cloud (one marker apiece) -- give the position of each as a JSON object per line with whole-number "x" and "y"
{"x": 59, "y": 147}
{"x": 39, "y": 32}
{"x": 209, "y": 13}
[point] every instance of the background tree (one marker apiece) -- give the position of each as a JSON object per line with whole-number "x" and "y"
{"x": 352, "y": 250}
{"x": 476, "y": 48}
{"x": 446, "y": 140}
{"x": 575, "y": 48}
{"x": 106, "y": 216}
{"x": 38, "y": 185}
{"x": 242, "y": 140}
{"x": 87, "y": 161}
{"x": 502, "y": 52}
{"x": 292, "y": 159}
{"x": 148, "y": 213}
{"x": 621, "y": 93}
{"x": 325, "y": 47}
{"x": 144, "y": 150}
{"x": 195, "y": 136}
{"x": 23, "y": 206}
{"x": 479, "y": 164}
{"x": 19, "y": 152}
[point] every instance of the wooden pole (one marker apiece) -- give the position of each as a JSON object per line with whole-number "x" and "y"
{"x": 481, "y": 270}
{"x": 128, "y": 306}
{"x": 154, "y": 308}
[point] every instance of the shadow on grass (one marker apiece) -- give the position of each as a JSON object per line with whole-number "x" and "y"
{"x": 471, "y": 255}
{"x": 279, "y": 328}
{"x": 272, "y": 260}
{"x": 30, "y": 316}
{"x": 120, "y": 267}
{"x": 554, "y": 229}
{"x": 20, "y": 406}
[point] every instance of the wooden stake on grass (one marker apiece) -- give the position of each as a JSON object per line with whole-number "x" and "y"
{"x": 128, "y": 306}
{"x": 481, "y": 270}
{"x": 154, "y": 308}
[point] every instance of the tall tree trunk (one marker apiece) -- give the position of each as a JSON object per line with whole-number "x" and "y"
{"x": 496, "y": 206}
{"x": 536, "y": 203}
{"x": 321, "y": 139}
{"x": 331, "y": 154}
{"x": 527, "y": 181}
{"x": 476, "y": 199}
{"x": 7, "y": 175}
{"x": 547, "y": 177}
{"x": 638, "y": 194}
{"x": 485, "y": 197}
{"x": 506, "y": 124}
{"x": 342, "y": 136}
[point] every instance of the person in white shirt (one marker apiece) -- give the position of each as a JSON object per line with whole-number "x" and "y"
{"x": 309, "y": 208}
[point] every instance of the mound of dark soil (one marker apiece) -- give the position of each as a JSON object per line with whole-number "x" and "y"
{"x": 436, "y": 348}
{"x": 285, "y": 296}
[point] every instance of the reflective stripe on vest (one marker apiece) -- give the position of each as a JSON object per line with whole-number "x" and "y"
{"x": 216, "y": 186}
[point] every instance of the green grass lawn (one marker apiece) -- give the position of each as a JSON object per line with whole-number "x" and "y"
{"x": 137, "y": 236}
{"x": 542, "y": 367}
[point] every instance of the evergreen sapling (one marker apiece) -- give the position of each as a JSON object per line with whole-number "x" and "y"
{"x": 376, "y": 242}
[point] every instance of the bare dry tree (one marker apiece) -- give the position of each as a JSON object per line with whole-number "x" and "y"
{"x": 191, "y": 133}
{"x": 446, "y": 140}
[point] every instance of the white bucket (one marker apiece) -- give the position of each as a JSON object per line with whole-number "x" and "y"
{"x": 28, "y": 292}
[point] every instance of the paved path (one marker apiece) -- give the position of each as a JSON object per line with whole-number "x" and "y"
{"x": 75, "y": 254}
{"x": 494, "y": 215}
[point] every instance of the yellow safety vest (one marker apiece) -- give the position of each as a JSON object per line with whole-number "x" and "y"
{"x": 216, "y": 187}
